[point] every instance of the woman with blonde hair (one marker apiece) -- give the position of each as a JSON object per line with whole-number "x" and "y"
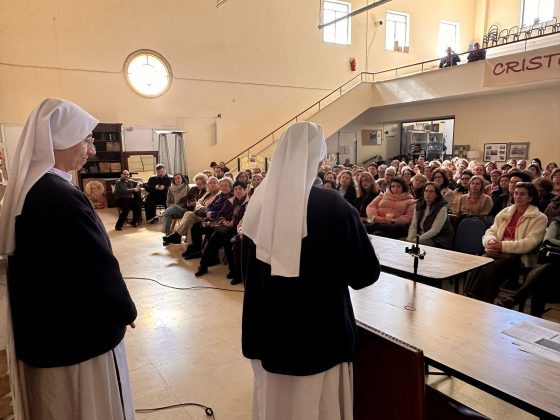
{"x": 475, "y": 202}
{"x": 366, "y": 191}
{"x": 196, "y": 216}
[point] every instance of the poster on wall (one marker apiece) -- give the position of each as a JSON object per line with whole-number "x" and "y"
{"x": 495, "y": 151}
{"x": 371, "y": 137}
{"x": 95, "y": 189}
{"x": 518, "y": 150}
{"x": 460, "y": 150}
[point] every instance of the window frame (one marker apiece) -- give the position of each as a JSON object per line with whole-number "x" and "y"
{"x": 407, "y": 29}
{"x": 457, "y": 37}
{"x": 348, "y": 37}
{"x": 538, "y": 19}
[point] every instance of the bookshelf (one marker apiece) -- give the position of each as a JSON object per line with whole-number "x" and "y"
{"x": 107, "y": 164}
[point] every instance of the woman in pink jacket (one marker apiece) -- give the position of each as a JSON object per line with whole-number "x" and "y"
{"x": 390, "y": 213}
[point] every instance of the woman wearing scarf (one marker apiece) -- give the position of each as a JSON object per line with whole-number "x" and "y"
{"x": 298, "y": 325}
{"x": 68, "y": 324}
{"x": 176, "y": 196}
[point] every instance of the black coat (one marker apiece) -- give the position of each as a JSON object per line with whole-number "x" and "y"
{"x": 305, "y": 325}
{"x": 78, "y": 306}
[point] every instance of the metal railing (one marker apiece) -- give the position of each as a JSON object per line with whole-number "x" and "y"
{"x": 364, "y": 77}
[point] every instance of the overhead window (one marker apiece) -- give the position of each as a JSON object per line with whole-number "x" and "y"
{"x": 396, "y": 32}
{"x": 148, "y": 73}
{"x": 536, "y": 11}
{"x": 339, "y": 32}
{"x": 448, "y": 37}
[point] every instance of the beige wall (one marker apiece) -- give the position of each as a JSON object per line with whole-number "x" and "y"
{"x": 521, "y": 116}
{"x": 256, "y": 62}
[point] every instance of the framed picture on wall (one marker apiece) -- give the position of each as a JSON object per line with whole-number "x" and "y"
{"x": 518, "y": 150}
{"x": 371, "y": 137}
{"x": 495, "y": 151}
{"x": 460, "y": 150}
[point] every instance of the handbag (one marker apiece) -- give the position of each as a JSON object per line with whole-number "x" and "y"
{"x": 549, "y": 253}
{"x": 201, "y": 212}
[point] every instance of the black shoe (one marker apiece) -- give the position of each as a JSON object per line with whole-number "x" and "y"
{"x": 153, "y": 220}
{"x": 213, "y": 262}
{"x": 188, "y": 251}
{"x": 230, "y": 275}
{"x": 118, "y": 227}
{"x": 193, "y": 255}
{"x": 134, "y": 224}
{"x": 234, "y": 281}
{"x": 507, "y": 303}
{"x": 173, "y": 238}
{"x": 201, "y": 271}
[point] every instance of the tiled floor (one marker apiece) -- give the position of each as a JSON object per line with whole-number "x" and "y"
{"x": 186, "y": 345}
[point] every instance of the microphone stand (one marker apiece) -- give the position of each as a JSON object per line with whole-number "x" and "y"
{"x": 417, "y": 254}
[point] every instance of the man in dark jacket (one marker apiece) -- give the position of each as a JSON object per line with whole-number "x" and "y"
{"x": 298, "y": 323}
{"x": 156, "y": 188}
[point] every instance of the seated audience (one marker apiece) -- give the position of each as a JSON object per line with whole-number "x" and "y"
{"x": 418, "y": 182}
{"x": 475, "y": 202}
{"x": 224, "y": 230}
{"x": 430, "y": 220}
{"x": 555, "y": 177}
{"x": 439, "y": 176}
{"x": 522, "y": 164}
{"x": 346, "y": 186}
{"x": 511, "y": 240}
{"x": 494, "y": 182}
{"x": 156, "y": 188}
{"x": 542, "y": 283}
{"x": 365, "y": 193}
{"x": 196, "y": 216}
{"x": 537, "y": 161}
{"x": 176, "y": 201}
{"x": 388, "y": 174}
{"x": 392, "y": 211}
{"x": 503, "y": 184}
{"x": 476, "y": 54}
{"x": 372, "y": 169}
{"x": 544, "y": 188}
{"x": 211, "y": 220}
{"x": 506, "y": 199}
{"x": 127, "y": 197}
{"x": 534, "y": 170}
{"x": 255, "y": 182}
{"x": 407, "y": 174}
{"x": 327, "y": 183}
{"x": 462, "y": 189}
{"x": 188, "y": 203}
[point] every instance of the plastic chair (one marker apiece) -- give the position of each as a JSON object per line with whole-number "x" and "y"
{"x": 503, "y": 36}
{"x": 491, "y": 37}
{"x": 468, "y": 238}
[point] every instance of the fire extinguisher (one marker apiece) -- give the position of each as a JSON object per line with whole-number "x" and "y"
{"x": 353, "y": 64}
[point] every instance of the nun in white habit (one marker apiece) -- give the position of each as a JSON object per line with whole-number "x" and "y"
{"x": 66, "y": 326}
{"x": 298, "y": 324}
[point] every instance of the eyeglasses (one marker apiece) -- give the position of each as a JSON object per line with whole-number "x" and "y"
{"x": 90, "y": 141}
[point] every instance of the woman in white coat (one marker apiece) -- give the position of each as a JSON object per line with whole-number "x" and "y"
{"x": 512, "y": 241}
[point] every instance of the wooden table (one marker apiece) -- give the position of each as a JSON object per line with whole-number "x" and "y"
{"x": 461, "y": 336}
{"x": 437, "y": 265}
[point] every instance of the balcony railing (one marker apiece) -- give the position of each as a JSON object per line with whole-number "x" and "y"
{"x": 262, "y": 149}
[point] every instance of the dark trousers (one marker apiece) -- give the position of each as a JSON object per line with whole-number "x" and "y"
{"x": 219, "y": 238}
{"x": 486, "y": 285}
{"x": 125, "y": 205}
{"x": 387, "y": 230}
{"x": 150, "y": 206}
{"x": 196, "y": 234}
{"x": 542, "y": 285}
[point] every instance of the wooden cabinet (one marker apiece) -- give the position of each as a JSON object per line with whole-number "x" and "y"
{"x": 108, "y": 163}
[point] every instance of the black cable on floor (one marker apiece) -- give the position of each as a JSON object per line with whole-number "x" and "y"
{"x": 208, "y": 410}
{"x": 182, "y": 288}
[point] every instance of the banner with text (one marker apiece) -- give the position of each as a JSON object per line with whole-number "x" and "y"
{"x": 529, "y": 66}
